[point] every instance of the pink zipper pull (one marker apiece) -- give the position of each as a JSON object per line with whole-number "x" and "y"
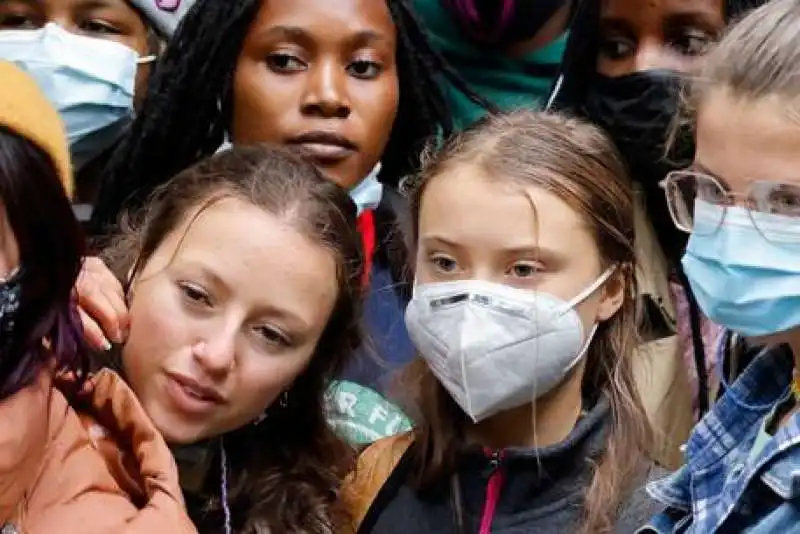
{"x": 493, "y": 489}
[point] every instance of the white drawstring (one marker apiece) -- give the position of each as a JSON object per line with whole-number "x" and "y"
{"x": 224, "y": 487}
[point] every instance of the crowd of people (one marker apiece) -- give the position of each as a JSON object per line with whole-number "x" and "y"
{"x": 390, "y": 266}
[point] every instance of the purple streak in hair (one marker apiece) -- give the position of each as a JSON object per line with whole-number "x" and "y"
{"x": 67, "y": 349}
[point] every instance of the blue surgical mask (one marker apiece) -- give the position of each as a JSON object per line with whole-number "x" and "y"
{"x": 368, "y": 193}
{"x": 90, "y": 82}
{"x": 740, "y": 279}
{"x": 10, "y": 291}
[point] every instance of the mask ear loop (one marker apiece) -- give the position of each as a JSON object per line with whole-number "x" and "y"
{"x": 554, "y": 93}
{"x": 583, "y": 295}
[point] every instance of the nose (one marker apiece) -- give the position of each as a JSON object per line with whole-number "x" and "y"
{"x": 487, "y": 272}
{"x": 326, "y": 92}
{"x": 216, "y": 354}
{"x": 63, "y": 21}
{"x": 656, "y": 55}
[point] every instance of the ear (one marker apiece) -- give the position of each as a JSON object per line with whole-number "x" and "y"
{"x": 612, "y": 296}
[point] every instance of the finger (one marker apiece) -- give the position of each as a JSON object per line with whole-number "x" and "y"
{"x": 104, "y": 276}
{"x": 99, "y": 276}
{"x": 98, "y": 306}
{"x": 92, "y": 332}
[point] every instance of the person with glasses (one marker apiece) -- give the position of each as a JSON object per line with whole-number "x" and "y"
{"x": 624, "y": 63}
{"x": 740, "y": 203}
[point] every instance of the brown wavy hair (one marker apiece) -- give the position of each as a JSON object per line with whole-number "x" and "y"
{"x": 578, "y": 163}
{"x": 284, "y": 473}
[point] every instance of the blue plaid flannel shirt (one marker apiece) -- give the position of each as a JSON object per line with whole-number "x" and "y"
{"x": 719, "y": 489}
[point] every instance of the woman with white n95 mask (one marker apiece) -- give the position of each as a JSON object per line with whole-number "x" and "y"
{"x": 523, "y": 315}
{"x": 92, "y": 59}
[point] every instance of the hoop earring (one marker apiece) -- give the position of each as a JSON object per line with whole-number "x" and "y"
{"x": 284, "y": 400}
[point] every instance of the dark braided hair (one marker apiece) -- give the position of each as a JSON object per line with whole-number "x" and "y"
{"x": 188, "y": 105}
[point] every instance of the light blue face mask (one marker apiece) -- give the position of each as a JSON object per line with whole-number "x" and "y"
{"x": 90, "y": 82}
{"x": 368, "y": 193}
{"x": 741, "y": 280}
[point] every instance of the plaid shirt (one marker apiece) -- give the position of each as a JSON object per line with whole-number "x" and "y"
{"x": 720, "y": 489}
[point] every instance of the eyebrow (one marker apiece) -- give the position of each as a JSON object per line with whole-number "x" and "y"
{"x": 541, "y": 252}
{"x": 687, "y": 17}
{"x": 295, "y": 33}
{"x": 31, "y": 3}
{"x": 694, "y": 17}
{"x": 699, "y": 167}
{"x": 615, "y": 23}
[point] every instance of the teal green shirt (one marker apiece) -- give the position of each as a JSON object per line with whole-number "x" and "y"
{"x": 362, "y": 416}
{"x": 506, "y": 82}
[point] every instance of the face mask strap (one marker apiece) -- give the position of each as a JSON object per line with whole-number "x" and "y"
{"x": 583, "y": 295}
{"x": 465, "y": 383}
{"x": 586, "y": 344}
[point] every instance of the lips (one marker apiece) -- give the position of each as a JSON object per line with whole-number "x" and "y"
{"x": 192, "y": 397}
{"x": 325, "y": 147}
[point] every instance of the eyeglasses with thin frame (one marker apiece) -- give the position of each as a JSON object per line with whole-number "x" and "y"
{"x": 690, "y": 192}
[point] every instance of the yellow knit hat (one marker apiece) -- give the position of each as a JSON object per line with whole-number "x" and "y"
{"x": 26, "y": 111}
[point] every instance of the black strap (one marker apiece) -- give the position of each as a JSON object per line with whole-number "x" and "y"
{"x": 387, "y": 493}
{"x": 696, "y": 326}
{"x": 457, "y": 504}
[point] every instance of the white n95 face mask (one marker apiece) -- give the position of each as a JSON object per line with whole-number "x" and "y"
{"x": 494, "y": 347}
{"x": 90, "y": 81}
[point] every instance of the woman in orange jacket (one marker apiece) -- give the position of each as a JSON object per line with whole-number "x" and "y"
{"x": 62, "y": 431}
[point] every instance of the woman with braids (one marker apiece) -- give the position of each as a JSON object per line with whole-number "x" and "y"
{"x": 93, "y": 60}
{"x": 351, "y": 83}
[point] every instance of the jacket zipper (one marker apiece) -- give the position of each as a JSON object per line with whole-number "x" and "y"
{"x": 493, "y": 488}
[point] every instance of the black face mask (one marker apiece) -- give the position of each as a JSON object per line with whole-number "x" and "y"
{"x": 502, "y": 22}
{"x": 10, "y": 292}
{"x": 637, "y": 111}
